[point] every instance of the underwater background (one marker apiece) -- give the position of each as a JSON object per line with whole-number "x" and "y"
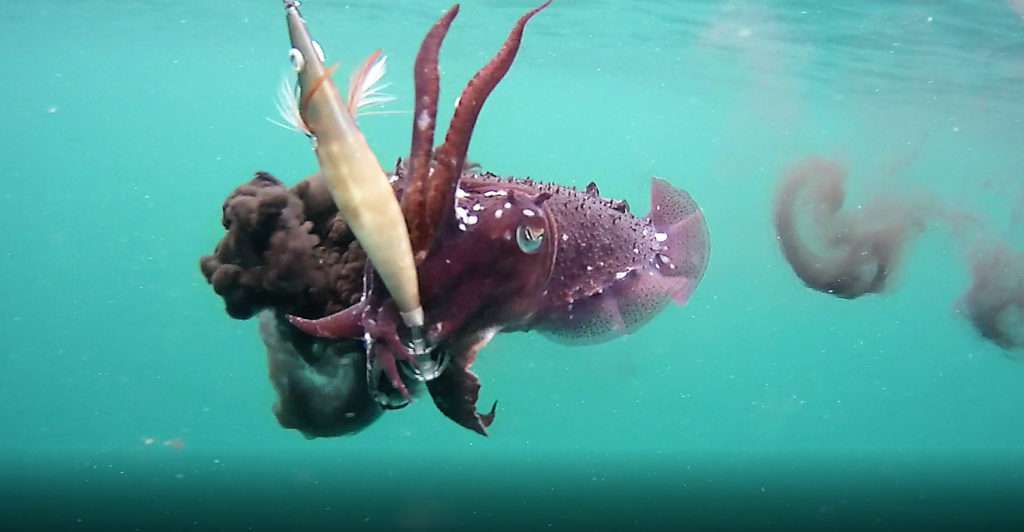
{"x": 129, "y": 399}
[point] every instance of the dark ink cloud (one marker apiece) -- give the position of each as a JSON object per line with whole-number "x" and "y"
{"x": 321, "y": 385}
{"x": 849, "y": 251}
{"x": 1017, "y": 215}
{"x": 284, "y": 249}
{"x": 844, "y": 250}
{"x": 994, "y": 304}
{"x": 288, "y": 251}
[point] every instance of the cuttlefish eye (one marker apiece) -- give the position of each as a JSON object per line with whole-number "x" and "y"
{"x": 296, "y": 59}
{"x": 530, "y": 238}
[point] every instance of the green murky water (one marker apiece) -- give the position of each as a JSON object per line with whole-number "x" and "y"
{"x": 129, "y": 398}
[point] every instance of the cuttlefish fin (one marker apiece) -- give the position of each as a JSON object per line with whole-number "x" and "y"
{"x": 683, "y": 234}
{"x": 455, "y": 391}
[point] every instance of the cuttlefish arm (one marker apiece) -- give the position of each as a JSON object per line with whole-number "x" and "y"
{"x": 429, "y": 199}
{"x": 358, "y": 184}
{"x": 455, "y": 391}
{"x": 427, "y": 81}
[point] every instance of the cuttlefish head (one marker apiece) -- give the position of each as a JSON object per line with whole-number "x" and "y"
{"x": 478, "y": 273}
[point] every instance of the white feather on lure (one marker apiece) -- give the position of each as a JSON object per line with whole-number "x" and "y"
{"x": 364, "y": 88}
{"x": 364, "y": 93}
{"x": 288, "y": 108}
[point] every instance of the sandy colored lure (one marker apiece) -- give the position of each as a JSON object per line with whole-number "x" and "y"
{"x": 357, "y": 181}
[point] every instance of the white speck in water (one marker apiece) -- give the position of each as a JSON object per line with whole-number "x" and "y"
{"x": 52, "y": 109}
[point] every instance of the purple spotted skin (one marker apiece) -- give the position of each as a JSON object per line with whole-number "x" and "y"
{"x": 596, "y": 273}
{"x": 591, "y": 272}
{"x": 612, "y": 272}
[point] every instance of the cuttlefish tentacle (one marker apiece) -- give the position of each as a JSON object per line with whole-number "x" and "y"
{"x": 456, "y": 391}
{"x": 451, "y": 156}
{"x": 430, "y": 195}
{"x": 414, "y": 200}
{"x": 347, "y": 323}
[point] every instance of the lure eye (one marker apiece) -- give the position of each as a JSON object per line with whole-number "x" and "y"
{"x": 530, "y": 239}
{"x": 296, "y": 59}
{"x": 319, "y": 51}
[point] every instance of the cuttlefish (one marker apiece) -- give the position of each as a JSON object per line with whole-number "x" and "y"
{"x": 504, "y": 254}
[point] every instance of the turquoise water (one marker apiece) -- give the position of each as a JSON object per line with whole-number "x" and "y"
{"x": 127, "y": 123}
